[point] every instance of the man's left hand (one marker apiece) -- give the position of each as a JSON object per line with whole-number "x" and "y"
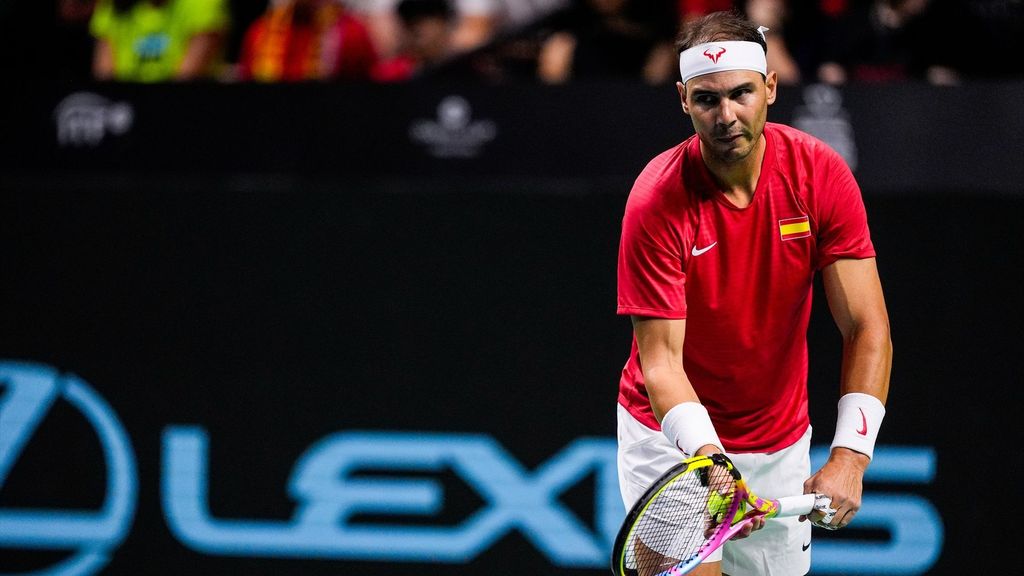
{"x": 842, "y": 479}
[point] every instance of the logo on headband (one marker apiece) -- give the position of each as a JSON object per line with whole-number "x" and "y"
{"x": 714, "y": 56}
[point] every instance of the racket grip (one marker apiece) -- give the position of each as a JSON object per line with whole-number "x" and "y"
{"x": 796, "y": 505}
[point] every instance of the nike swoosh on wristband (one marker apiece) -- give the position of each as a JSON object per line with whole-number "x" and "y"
{"x": 864, "y": 424}
{"x": 685, "y": 453}
{"x": 804, "y": 547}
{"x": 697, "y": 252}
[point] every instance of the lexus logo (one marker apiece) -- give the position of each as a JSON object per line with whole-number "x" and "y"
{"x": 27, "y": 393}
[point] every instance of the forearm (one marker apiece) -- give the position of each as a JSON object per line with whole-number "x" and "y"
{"x": 855, "y": 298}
{"x": 867, "y": 361}
{"x": 867, "y": 356}
{"x": 667, "y": 387}
{"x": 676, "y": 406}
{"x": 683, "y": 419}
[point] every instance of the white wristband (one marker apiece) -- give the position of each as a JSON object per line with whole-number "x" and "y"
{"x": 689, "y": 427}
{"x": 860, "y": 417}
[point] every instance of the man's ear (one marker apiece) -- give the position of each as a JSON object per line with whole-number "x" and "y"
{"x": 682, "y": 97}
{"x": 771, "y": 82}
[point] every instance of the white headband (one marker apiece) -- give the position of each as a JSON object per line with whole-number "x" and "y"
{"x": 721, "y": 56}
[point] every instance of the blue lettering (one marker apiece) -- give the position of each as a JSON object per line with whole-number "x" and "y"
{"x": 331, "y": 486}
{"x": 914, "y": 525}
{"x": 328, "y": 496}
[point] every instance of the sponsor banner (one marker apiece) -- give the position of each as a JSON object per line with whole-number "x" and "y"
{"x": 225, "y": 381}
{"x": 893, "y": 142}
{"x": 334, "y": 493}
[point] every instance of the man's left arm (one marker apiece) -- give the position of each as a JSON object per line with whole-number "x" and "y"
{"x": 855, "y": 298}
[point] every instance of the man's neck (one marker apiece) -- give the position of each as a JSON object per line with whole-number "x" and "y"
{"x": 737, "y": 179}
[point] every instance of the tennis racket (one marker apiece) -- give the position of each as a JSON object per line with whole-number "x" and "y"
{"x": 689, "y": 512}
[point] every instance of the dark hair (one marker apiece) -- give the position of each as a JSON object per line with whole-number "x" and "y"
{"x": 721, "y": 27}
{"x": 123, "y": 6}
{"x": 412, "y": 11}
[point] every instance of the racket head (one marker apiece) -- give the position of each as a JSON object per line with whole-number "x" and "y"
{"x": 680, "y": 520}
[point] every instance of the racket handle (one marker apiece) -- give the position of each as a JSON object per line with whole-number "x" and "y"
{"x": 796, "y": 505}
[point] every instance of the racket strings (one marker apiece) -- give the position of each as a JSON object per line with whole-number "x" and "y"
{"x": 680, "y": 519}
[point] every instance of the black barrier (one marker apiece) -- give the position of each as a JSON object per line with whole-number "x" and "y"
{"x": 274, "y": 372}
{"x": 899, "y": 138}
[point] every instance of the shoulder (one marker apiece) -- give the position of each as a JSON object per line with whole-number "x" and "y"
{"x": 798, "y": 146}
{"x": 661, "y": 182}
{"x": 102, "y": 19}
{"x": 349, "y": 23}
{"x": 815, "y": 173}
{"x": 208, "y": 13}
{"x": 254, "y": 33}
{"x": 203, "y": 5}
{"x": 808, "y": 165}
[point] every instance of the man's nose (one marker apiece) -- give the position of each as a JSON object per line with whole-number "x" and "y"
{"x": 726, "y": 113}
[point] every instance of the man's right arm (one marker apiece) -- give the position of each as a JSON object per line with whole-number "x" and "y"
{"x": 660, "y": 343}
{"x": 676, "y": 405}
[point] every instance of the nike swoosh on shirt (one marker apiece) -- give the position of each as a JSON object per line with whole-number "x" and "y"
{"x": 698, "y": 251}
{"x": 804, "y": 547}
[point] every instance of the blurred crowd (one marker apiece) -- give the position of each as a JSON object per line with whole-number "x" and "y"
{"x": 551, "y": 41}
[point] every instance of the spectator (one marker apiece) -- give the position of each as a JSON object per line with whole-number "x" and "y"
{"x": 613, "y": 39}
{"x": 298, "y": 40}
{"x": 690, "y": 10}
{"x": 476, "y": 22}
{"x": 382, "y": 23}
{"x": 424, "y": 40}
{"x": 158, "y": 40}
{"x": 886, "y": 40}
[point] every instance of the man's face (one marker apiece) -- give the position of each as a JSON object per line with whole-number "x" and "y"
{"x": 429, "y": 39}
{"x": 728, "y": 110}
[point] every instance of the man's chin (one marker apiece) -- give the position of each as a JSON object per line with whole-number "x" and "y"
{"x": 733, "y": 155}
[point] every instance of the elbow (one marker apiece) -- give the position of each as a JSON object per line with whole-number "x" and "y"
{"x": 871, "y": 336}
{"x": 658, "y": 380}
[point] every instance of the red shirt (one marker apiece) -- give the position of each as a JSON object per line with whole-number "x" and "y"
{"x": 742, "y": 277}
{"x": 347, "y": 51}
{"x": 401, "y": 68}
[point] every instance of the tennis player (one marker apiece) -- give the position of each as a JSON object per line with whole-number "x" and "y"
{"x": 721, "y": 238}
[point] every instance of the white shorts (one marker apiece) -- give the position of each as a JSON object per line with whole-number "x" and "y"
{"x": 781, "y": 548}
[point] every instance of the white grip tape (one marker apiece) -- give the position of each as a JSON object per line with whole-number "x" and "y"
{"x": 805, "y": 504}
{"x": 796, "y": 505}
{"x": 860, "y": 417}
{"x": 689, "y": 427}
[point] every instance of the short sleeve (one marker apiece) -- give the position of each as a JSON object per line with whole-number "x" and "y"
{"x": 651, "y": 280}
{"x": 842, "y": 221}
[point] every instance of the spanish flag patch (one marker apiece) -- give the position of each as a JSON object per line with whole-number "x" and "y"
{"x": 793, "y": 228}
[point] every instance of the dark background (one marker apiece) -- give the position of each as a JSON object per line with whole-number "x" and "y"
{"x": 276, "y": 264}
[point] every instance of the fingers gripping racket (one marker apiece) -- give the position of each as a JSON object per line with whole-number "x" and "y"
{"x": 689, "y": 512}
